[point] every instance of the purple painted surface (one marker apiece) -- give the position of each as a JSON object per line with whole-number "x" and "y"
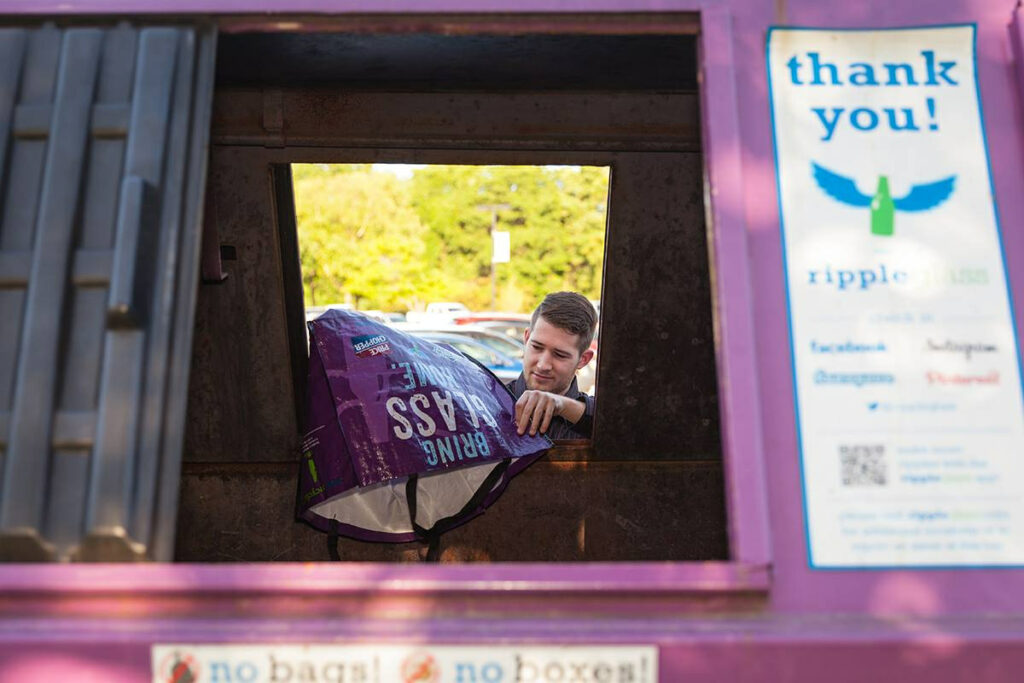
{"x": 342, "y": 6}
{"x": 318, "y": 578}
{"x": 742, "y": 446}
{"x": 1017, "y": 45}
{"x": 759, "y": 422}
{"x": 95, "y": 662}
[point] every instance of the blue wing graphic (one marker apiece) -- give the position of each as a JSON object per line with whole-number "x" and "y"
{"x": 926, "y": 196}
{"x": 839, "y": 187}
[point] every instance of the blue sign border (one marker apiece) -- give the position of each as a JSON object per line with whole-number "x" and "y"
{"x": 785, "y": 266}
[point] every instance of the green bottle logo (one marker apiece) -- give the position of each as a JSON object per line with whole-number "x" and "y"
{"x": 883, "y": 209}
{"x": 882, "y": 205}
{"x": 312, "y": 465}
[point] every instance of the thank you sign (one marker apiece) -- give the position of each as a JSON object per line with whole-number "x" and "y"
{"x": 906, "y": 362}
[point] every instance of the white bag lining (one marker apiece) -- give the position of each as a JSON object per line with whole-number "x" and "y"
{"x": 384, "y": 507}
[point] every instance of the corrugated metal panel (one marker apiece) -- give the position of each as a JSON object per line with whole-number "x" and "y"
{"x": 102, "y": 167}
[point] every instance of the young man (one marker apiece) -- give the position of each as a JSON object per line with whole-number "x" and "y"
{"x": 557, "y": 345}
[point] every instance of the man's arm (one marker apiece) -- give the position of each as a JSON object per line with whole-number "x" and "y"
{"x": 585, "y": 425}
{"x": 534, "y": 410}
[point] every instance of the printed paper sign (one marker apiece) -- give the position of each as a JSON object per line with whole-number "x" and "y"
{"x": 502, "y": 246}
{"x": 403, "y": 664}
{"x": 907, "y": 370}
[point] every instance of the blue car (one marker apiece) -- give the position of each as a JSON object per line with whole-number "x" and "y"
{"x": 504, "y": 367}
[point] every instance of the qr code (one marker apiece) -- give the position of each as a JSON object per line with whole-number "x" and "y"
{"x": 863, "y": 465}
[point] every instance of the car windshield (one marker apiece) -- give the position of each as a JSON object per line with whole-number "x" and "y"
{"x": 480, "y": 353}
{"x": 500, "y": 344}
{"x": 477, "y": 352}
{"x": 509, "y": 329}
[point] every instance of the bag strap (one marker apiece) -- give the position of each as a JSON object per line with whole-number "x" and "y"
{"x": 432, "y": 536}
{"x": 488, "y": 484}
{"x": 433, "y": 540}
{"x": 332, "y": 541}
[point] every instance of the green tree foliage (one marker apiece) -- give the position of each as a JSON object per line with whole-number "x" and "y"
{"x": 396, "y": 244}
{"x": 360, "y": 242}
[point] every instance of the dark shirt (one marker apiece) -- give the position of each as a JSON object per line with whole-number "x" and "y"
{"x": 560, "y": 428}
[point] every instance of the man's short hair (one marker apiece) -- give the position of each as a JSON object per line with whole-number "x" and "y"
{"x": 571, "y": 312}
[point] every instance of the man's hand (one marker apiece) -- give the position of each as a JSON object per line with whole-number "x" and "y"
{"x": 534, "y": 410}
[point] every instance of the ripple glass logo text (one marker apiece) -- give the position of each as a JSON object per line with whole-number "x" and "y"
{"x": 859, "y": 279}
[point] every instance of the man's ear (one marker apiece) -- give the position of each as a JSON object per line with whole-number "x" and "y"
{"x": 526, "y": 335}
{"x": 587, "y": 356}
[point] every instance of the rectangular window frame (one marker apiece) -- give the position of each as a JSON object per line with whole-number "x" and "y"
{"x": 565, "y": 450}
{"x": 747, "y": 571}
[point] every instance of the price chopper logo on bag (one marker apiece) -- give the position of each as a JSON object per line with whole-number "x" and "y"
{"x": 370, "y": 345}
{"x": 405, "y": 439}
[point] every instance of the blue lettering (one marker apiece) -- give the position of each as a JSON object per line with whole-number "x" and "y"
{"x": 908, "y": 74}
{"x": 867, "y": 277}
{"x": 216, "y": 671}
{"x": 481, "y": 444}
{"x": 794, "y": 66}
{"x": 847, "y": 346}
{"x": 929, "y": 63}
{"x": 431, "y": 453}
{"x": 845, "y": 279}
{"x": 491, "y": 672}
{"x": 908, "y": 119}
{"x": 465, "y": 672}
{"x": 444, "y": 448}
{"x": 817, "y": 67}
{"x": 246, "y": 672}
{"x": 410, "y": 382}
{"x": 857, "y": 379}
{"x": 468, "y": 447}
{"x": 856, "y": 117}
{"x": 863, "y": 75}
{"x": 830, "y": 126}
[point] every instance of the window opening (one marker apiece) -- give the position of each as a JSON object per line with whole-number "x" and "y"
{"x": 459, "y": 254}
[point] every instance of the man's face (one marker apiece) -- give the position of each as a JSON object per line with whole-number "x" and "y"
{"x": 552, "y": 357}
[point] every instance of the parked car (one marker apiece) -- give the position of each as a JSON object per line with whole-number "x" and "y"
{"x": 499, "y": 342}
{"x": 376, "y": 315}
{"x": 510, "y": 324}
{"x": 438, "y": 312}
{"x": 504, "y": 367}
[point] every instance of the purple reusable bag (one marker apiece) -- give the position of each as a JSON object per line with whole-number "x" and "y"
{"x": 405, "y": 438}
